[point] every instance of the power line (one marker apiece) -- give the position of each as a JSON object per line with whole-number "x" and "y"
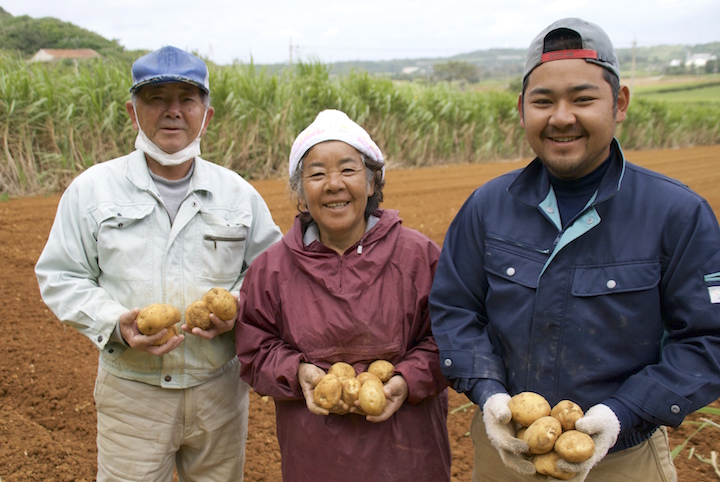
{"x": 381, "y": 49}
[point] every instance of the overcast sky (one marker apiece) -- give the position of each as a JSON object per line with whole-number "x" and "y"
{"x": 330, "y": 31}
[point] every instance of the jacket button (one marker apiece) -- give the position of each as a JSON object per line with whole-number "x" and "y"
{"x": 611, "y": 283}
{"x": 100, "y": 338}
{"x": 675, "y": 409}
{"x": 448, "y": 362}
{"x": 510, "y": 271}
{"x": 168, "y": 378}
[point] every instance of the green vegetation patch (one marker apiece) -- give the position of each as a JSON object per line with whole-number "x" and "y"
{"x": 58, "y": 119}
{"x": 701, "y": 93}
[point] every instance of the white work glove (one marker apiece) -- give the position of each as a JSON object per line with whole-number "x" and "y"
{"x": 603, "y": 426}
{"x": 501, "y": 434}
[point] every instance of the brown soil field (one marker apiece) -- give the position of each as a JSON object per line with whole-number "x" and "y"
{"x": 47, "y": 369}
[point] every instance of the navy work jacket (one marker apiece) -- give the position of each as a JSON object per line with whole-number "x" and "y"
{"x": 622, "y": 303}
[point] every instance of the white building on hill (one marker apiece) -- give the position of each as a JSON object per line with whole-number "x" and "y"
{"x": 50, "y": 55}
{"x": 699, "y": 61}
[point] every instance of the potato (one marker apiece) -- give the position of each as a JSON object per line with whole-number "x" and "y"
{"x": 350, "y": 390}
{"x": 383, "y": 369}
{"x": 327, "y": 392}
{"x": 172, "y": 331}
{"x": 198, "y": 314}
{"x": 153, "y": 318}
{"x": 526, "y": 407}
{"x": 365, "y": 376}
{"x": 575, "y": 446}
{"x": 567, "y": 412}
{"x": 372, "y": 397}
{"x": 546, "y": 464}
{"x": 221, "y": 303}
{"x": 541, "y": 434}
{"x": 342, "y": 369}
{"x": 521, "y": 433}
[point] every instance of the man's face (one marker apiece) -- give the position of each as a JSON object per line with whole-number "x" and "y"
{"x": 568, "y": 116}
{"x": 170, "y": 114}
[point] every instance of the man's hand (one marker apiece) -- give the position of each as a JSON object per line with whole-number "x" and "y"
{"x": 601, "y": 423}
{"x": 132, "y": 336}
{"x": 217, "y": 327}
{"x": 497, "y": 418}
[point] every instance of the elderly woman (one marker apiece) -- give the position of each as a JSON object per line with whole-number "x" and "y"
{"x": 347, "y": 283}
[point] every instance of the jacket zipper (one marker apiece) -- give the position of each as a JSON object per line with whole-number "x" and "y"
{"x": 215, "y": 239}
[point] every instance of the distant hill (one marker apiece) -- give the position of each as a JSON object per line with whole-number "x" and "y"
{"x": 27, "y": 35}
{"x": 508, "y": 63}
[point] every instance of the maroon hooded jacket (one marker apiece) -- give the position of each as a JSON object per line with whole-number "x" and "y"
{"x": 310, "y": 304}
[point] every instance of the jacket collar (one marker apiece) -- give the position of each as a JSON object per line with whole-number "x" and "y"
{"x": 138, "y": 173}
{"x": 353, "y": 270}
{"x": 533, "y": 184}
{"x": 387, "y": 219}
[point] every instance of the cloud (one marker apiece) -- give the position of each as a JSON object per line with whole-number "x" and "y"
{"x": 337, "y": 30}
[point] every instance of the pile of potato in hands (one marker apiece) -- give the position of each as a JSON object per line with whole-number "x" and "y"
{"x": 340, "y": 383}
{"x": 550, "y": 432}
{"x": 155, "y": 317}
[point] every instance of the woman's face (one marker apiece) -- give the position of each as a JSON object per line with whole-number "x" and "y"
{"x": 336, "y": 193}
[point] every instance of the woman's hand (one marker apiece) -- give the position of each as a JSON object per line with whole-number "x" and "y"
{"x": 396, "y": 392}
{"x": 309, "y": 375}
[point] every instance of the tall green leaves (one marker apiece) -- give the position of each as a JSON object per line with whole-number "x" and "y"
{"x": 57, "y": 120}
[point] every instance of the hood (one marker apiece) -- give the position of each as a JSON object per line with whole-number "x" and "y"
{"x": 355, "y": 268}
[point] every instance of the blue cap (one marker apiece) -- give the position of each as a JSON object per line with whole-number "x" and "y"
{"x": 170, "y": 64}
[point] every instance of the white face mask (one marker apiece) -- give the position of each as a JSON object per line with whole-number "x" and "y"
{"x": 144, "y": 144}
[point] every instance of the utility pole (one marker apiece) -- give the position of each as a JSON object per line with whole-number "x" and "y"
{"x": 632, "y": 72}
{"x": 290, "y": 48}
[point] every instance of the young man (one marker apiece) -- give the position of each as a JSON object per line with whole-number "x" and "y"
{"x": 580, "y": 277}
{"x": 159, "y": 225}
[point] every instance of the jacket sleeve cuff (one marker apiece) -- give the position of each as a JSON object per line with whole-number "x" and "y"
{"x": 628, "y": 418}
{"x": 483, "y": 389}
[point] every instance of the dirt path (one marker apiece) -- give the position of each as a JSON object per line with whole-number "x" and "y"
{"x": 47, "y": 370}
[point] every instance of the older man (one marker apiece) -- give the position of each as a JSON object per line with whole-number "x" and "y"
{"x": 159, "y": 225}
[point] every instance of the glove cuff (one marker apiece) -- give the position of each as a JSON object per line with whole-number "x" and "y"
{"x": 495, "y": 402}
{"x": 496, "y": 409}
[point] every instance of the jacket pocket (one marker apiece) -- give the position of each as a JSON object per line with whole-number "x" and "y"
{"x": 619, "y": 278}
{"x": 125, "y": 242}
{"x": 515, "y": 262}
{"x": 222, "y": 248}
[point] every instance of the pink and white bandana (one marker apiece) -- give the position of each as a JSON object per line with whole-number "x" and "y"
{"x": 334, "y": 125}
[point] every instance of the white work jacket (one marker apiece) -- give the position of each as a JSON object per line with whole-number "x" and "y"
{"x": 112, "y": 248}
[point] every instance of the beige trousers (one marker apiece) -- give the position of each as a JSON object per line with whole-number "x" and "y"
{"x": 649, "y": 461}
{"x": 144, "y": 431}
